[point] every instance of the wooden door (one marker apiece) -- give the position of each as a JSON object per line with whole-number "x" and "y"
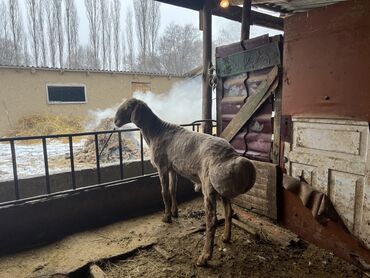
{"x": 248, "y": 113}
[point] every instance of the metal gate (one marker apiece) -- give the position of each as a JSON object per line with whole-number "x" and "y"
{"x": 248, "y": 113}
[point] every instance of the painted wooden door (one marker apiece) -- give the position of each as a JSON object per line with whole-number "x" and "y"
{"x": 334, "y": 157}
{"x": 248, "y": 78}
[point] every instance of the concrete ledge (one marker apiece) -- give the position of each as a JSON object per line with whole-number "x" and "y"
{"x": 34, "y": 223}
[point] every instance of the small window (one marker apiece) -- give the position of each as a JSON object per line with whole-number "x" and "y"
{"x": 140, "y": 86}
{"x": 66, "y": 94}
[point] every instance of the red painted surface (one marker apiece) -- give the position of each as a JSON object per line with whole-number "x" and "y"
{"x": 326, "y": 75}
{"x": 332, "y": 236}
{"x": 327, "y": 62}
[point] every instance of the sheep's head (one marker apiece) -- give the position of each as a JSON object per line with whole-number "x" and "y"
{"x": 130, "y": 111}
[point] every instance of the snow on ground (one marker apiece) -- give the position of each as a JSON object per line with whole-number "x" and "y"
{"x": 30, "y": 159}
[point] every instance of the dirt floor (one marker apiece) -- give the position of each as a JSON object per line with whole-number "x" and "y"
{"x": 145, "y": 247}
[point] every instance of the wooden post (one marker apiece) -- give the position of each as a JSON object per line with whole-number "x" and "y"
{"x": 207, "y": 60}
{"x": 246, "y": 20}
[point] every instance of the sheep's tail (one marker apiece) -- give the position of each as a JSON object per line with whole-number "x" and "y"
{"x": 247, "y": 171}
{"x": 233, "y": 177}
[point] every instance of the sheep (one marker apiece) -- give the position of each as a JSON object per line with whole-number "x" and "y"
{"x": 209, "y": 162}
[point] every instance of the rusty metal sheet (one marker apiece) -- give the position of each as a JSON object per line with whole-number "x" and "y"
{"x": 255, "y": 138}
{"x": 264, "y": 90}
{"x": 234, "y": 86}
{"x": 231, "y": 105}
{"x": 259, "y": 142}
{"x": 261, "y": 57}
{"x": 239, "y": 142}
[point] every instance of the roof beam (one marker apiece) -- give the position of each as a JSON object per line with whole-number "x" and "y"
{"x": 260, "y": 19}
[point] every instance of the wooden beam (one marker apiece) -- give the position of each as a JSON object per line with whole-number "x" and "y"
{"x": 207, "y": 60}
{"x": 246, "y": 20}
{"x": 268, "y": 21}
{"x": 260, "y": 19}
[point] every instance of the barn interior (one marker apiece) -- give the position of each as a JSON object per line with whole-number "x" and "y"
{"x": 297, "y": 105}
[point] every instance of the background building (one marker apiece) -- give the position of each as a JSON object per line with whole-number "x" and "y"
{"x": 28, "y": 91}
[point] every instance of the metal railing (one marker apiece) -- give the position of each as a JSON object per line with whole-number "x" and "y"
{"x": 195, "y": 126}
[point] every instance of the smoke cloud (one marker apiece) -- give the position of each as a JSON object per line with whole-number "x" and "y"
{"x": 181, "y": 105}
{"x": 95, "y": 117}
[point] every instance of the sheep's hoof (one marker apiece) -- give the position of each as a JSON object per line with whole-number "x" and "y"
{"x": 226, "y": 239}
{"x": 166, "y": 219}
{"x": 175, "y": 213}
{"x": 203, "y": 259}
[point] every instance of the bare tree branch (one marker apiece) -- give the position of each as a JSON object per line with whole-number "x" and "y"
{"x": 116, "y": 17}
{"x": 104, "y": 12}
{"x": 16, "y": 28}
{"x": 180, "y": 48}
{"x": 33, "y": 26}
{"x": 57, "y": 7}
{"x": 109, "y": 40}
{"x": 141, "y": 9}
{"x": 154, "y": 24}
{"x": 26, "y": 53}
{"x": 41, "y": 31}
{"x": 130, "y": 39}
{"x": 71, "y": 26}
{"x": 51, "y": 31}
{"x": 93, "y": 15}
{"x": 6, "y": 45}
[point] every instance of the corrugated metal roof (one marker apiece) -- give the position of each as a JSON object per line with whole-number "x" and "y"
{"x": 90, "y": 71}
{"x": 283, "y": 6}
{"x": 293, "y": 6}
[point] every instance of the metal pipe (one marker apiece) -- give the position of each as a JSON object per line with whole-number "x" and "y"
{"x": 72, "y": 161}
{"x": 15, "y": 174}
{"x": 142, "y": 153}
{"x": 46, "y": 165}
{"x": 97, "y": 156}
{"x": 207, "y": 61}
{"x": 120, "y": 154}
{"x": 106, "y": 143}
{"x": 55, "y": 136}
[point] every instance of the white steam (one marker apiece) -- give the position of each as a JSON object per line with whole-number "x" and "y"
{"x": 95, "y": 117}
{"x": 181, "y": 105}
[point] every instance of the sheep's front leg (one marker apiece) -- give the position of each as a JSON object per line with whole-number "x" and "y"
{"x": 228, "y": 214}
{"x": 211, "y": 222}
{"x": 173, "y": 189}
{"x": 163, "y": 176}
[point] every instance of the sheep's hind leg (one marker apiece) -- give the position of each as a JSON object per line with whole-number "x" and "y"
{"x": 228, "y": 214}
{"x": 211, "y": 222}
{"x": 163, "y": 176}
{"x": 173, "y": 190}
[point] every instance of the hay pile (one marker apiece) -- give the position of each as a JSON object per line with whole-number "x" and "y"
{"x": 34, "y": 125}
{"x": 130, "y": 145}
